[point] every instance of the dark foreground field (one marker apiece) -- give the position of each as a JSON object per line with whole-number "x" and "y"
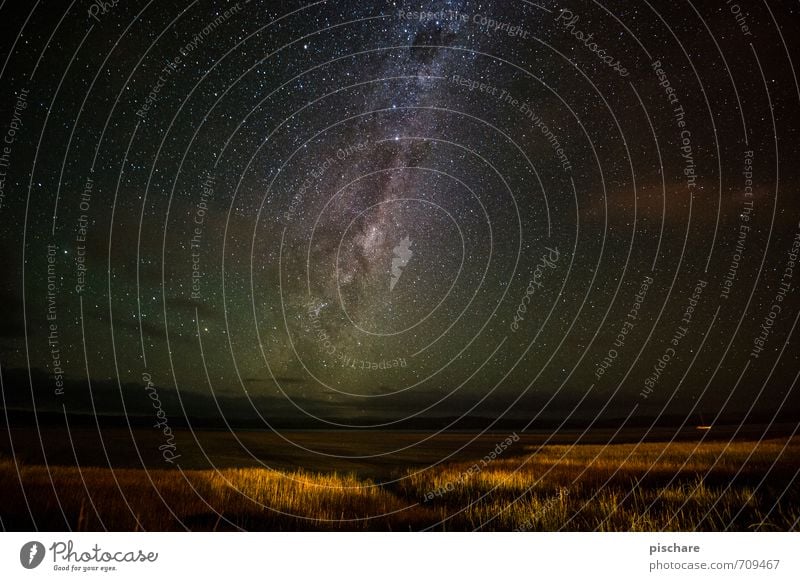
{"x": 684, "y": 485}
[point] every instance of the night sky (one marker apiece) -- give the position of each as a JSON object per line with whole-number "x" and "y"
{"x": 370, "y": 213}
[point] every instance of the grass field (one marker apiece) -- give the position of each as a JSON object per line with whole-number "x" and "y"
{"x": 739, "y": 486}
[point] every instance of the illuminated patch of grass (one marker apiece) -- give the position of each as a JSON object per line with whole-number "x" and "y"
{"x": 679, "y": 486}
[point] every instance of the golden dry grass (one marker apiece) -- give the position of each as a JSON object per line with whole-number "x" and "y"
{"x": 622, "y": 487}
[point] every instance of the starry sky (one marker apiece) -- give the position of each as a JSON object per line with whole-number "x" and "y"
{"x": 360, "y": 214}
